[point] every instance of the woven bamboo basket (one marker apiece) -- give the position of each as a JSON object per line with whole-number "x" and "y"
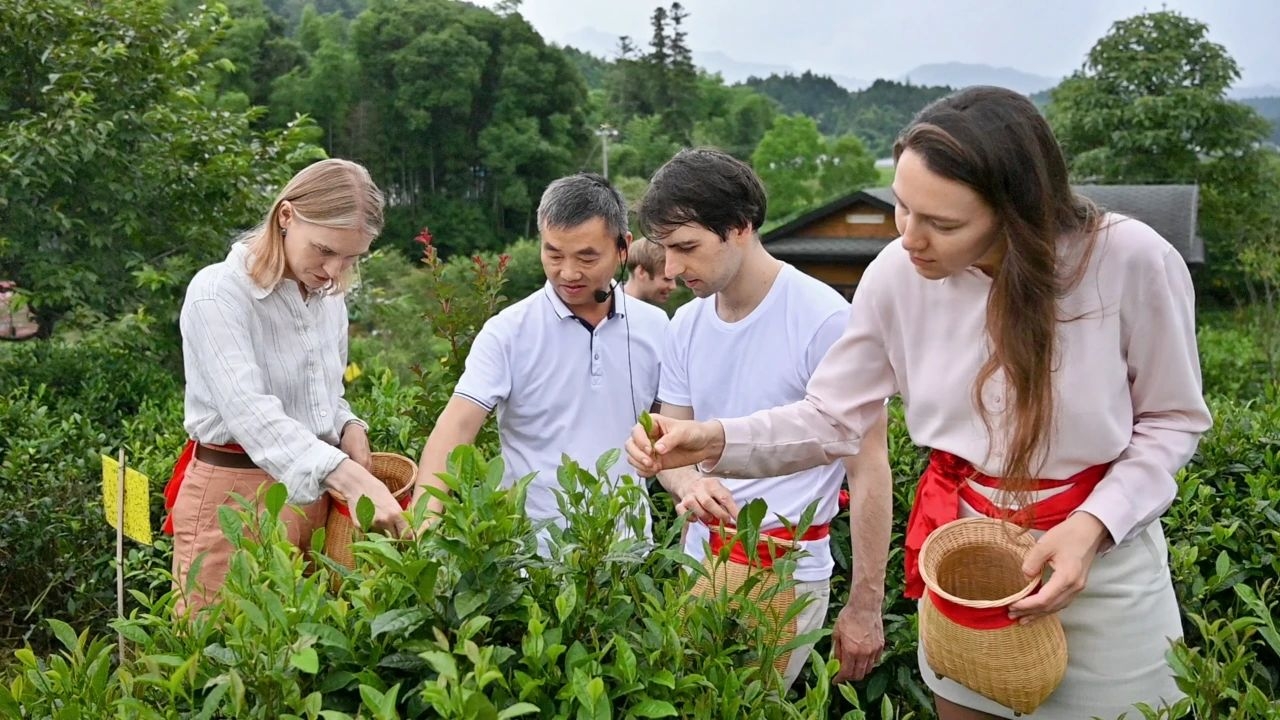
{"x": 977, "y": 563}
{"x": 397, "y": 472}
{"x": 730, "y": 576}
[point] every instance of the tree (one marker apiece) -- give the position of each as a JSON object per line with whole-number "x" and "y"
{"x": 787, "y": 160}
{"x": 847, "y": 167}
{"x": 325, "y": 86}
{"x": 116, "y": 180}
{"x": 471, "y": 115}
{"x": 681, "y": 79}
{"x": 1149, "y": 106}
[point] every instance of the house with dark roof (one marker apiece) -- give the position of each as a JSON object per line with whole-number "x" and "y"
{"x": 836, "y": 242}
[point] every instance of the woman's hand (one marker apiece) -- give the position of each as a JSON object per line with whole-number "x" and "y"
{"x": 353, "y": 481}
{"x": 355, "y": 443}
{"x": 673, "y": 444}
{"x": 1069, "y": 548}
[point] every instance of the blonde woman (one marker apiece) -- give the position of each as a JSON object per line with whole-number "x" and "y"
{"x": 264, "y": 342}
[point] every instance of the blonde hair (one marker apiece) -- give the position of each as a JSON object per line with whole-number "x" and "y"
{"x": 647, "y": 254}
{"x": 332, "y": 193}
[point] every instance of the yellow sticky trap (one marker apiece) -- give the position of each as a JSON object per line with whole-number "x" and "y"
{"x": 137, "y": 500}
{"x": 352, "y": 372}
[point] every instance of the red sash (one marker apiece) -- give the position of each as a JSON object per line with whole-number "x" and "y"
{"x": 180, "y": 473}
{"x": 766, "y": 551}
{"x": 944, "y": 484}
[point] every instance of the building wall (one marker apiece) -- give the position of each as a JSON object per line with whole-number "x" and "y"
{"x": 862, "y": 220}
{"x": 843, "y": 277}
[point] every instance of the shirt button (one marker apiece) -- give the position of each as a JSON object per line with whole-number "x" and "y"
{"x": 597, "y": 356}
{"x": 324, "y": 413}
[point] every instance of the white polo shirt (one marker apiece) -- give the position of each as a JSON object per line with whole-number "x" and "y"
{"x": 726, "y": 370}
{"x": 562, "y": 387}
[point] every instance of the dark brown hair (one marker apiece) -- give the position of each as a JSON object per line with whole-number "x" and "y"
{"x": 996, "y": 142}
{"x": 704, "y": 186}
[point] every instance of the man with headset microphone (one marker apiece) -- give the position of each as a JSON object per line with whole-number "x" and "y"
{"x": 569, "y": 368}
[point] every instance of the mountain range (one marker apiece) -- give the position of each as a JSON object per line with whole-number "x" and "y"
{"x": 951, "y": 74}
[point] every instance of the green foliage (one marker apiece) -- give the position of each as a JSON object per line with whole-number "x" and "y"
{"x": 116, "y": 179}
{"x": 787, "y": 162}
{"x": 467, "y": 621}
{"x": 799, "y": 168}
{"x": 483, "y": 111}
{"x": 1149, "y": 106}
{"x": 1149, "y": 102}
{"x": 875, "y": 114}
{"x": 1268, "y": 108}
{"x": 61, "y": 406}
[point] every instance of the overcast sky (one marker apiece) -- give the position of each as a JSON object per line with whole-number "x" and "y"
{"x": 887, "y": 38}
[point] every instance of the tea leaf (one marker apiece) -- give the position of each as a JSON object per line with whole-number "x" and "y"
{"x": 306, "y": 660}
{"x": 276, "y": 496}
{"x": 517, "y": 710}
{"x": 566, "y": 600}
{"x": 400, "y": 620}
{"x": 364, "y": 512}
{"x": 646, "y": 422}
{"x": 607, "y": 460}
{"x": 654, "y": 709}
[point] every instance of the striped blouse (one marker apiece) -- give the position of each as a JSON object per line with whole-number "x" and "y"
{"x": 264, "y": 369}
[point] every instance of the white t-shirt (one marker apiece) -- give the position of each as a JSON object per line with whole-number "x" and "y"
{"x": 764, "y": 360}
{"x": 561, "y": 387}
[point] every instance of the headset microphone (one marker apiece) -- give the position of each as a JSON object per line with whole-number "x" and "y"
{"x": 603, "y": 295}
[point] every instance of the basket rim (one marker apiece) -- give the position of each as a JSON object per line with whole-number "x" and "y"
{"x": 336, "y": 496}
{"x": 932, "y": 584}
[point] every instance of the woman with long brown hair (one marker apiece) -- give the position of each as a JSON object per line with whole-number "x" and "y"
{"x": 1045, "y": 352}
{"x": 264, "y": 343}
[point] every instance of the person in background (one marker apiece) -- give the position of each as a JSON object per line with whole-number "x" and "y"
{"x": 647, "y": 278}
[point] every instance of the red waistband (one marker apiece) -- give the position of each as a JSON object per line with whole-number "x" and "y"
{"x": 945, "y": 483}
{"x": 766, "y": 551}
{"x": 180, "y": 473}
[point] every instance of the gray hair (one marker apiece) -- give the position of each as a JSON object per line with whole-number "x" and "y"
{"x": 576, "y": 199}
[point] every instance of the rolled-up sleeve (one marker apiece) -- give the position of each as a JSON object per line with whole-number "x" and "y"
{"x": 1169, "y": 411}
{"x": 218, "y": 348}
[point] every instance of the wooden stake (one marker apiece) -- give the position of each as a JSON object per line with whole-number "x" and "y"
{"x": 120, "y": 555}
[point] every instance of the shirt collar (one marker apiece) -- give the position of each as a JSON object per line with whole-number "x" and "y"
{"x": 239, "y": 258}
{"x": 616, "y": 309}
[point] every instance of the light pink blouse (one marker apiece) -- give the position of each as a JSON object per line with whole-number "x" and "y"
{"x": 1126, "y": 382}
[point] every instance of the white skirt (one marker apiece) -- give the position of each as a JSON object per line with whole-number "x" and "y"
{"x": 1118, "y": 632}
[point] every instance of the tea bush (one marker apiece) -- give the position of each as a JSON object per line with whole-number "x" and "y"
{"x": 469, "y": 617}
{"x": 465, "y": 622}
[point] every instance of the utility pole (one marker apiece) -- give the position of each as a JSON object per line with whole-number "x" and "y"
{"x": 604, "y": 132}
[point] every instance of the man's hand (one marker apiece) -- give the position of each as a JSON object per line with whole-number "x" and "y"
{"x": 1069, "y": 548}
{"x": 709, "y": 501}
{"x": 858, "y": 639}
{"x": 355, "y": 443}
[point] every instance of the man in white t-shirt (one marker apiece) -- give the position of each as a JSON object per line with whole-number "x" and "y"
{"x": 569, "y": 368}
{"x": 750, "y": 341}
